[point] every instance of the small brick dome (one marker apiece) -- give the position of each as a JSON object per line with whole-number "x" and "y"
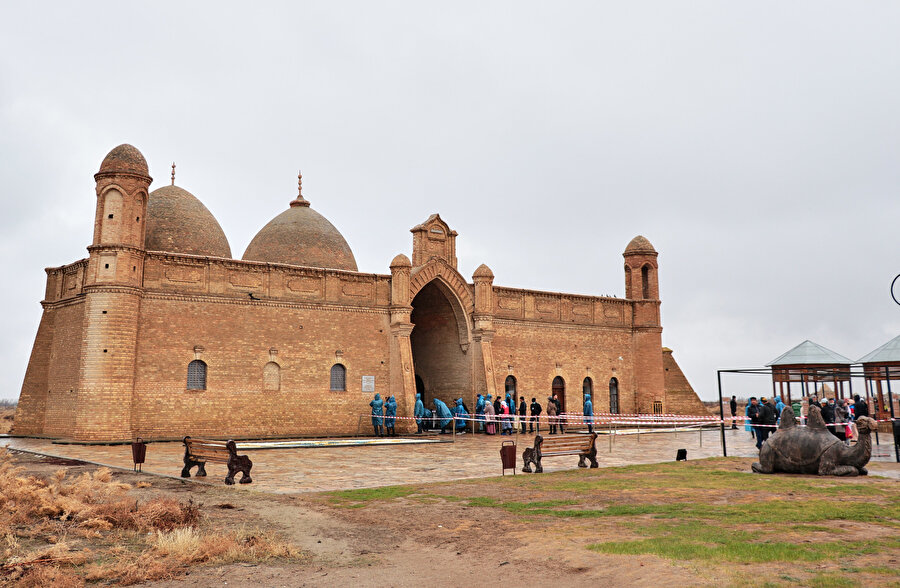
{"x": 301, "y": 236}
{"x": 125, "y": 159}
{"x": 178, "y": 222}
{"x": 640, "y": 244}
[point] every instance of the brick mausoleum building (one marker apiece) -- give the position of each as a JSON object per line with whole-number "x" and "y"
{"x": 160, "y": 333}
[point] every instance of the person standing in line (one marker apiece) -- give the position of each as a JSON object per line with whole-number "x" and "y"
{"x": 589, "y": 413}
{"x": 768, "y": 419}
{"x": 497, "y": 410}
{"x": 390, "y": 414}
{"x": 860, "y": 407}
{"x": 535, "y": 416}
{"x": 560, "y": 417}
{"x": 419, "y": 412}
{"x": 522, "y": 412}
{"x": 377, "y": 405}
{"x": 733, "y": 406}
{"x": 479, "y": 412}
{"x": 753, "y": 411}
{"x": 828, "y": 416}
{"x": 748, "y": 423}
{"x": 506, "y": 419}
{"x": 490, "y": 426}
{"x": 551, "y": 414}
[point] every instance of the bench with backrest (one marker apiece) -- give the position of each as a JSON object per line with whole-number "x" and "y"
{"x": 581, "y": 445}
{"x": 199, "y": 451}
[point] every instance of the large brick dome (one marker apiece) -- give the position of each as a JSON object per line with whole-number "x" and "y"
{"x": 178, "y": 222}
{"x": 125, "y": 159}
{"x": 301, "y": 236}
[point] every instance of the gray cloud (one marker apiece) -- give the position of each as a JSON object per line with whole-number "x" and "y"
{"x": 755, "y": 144}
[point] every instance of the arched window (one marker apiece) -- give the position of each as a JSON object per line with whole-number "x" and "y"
{"x": 645, "y": 282}
{"x": 196, "y": 376}
{"x": 558, "y": 389}
{"x": 272, "y": 377}
{"x": 614, "y": 396}
{"x": 587, "y": 387}
{"x": 510, "y": 386}
{"x": 338, "y": 378}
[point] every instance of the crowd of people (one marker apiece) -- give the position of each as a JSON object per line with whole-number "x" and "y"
{"x": 492, "y": 415}
{"x": 763, "y": 414}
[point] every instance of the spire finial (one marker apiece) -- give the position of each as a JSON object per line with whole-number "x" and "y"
{"x": 173, "y": 173}
{"x": 300, "y": 200}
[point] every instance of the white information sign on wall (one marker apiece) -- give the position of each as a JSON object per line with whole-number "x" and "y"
{"x": 368, "y": 383}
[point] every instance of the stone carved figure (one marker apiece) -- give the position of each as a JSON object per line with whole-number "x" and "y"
{"x": 813, "y": 449}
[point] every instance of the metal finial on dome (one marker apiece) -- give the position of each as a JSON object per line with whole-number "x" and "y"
{"x": 299, "y": 201}
{"x": 173, "y": 173}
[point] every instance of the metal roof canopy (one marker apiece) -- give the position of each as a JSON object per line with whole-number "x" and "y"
{"x": 887, "y": 353}
{"x": 811, "y": 354}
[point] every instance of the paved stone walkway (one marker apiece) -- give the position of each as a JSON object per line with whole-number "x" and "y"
{"x": 471, "y": 456}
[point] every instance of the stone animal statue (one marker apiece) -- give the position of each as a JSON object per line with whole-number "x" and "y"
{"x": 813, "y": 449}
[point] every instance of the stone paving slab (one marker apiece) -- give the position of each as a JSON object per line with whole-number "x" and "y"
{"x": 471, "y": 456}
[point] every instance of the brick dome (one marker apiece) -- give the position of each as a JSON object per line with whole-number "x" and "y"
{"x": 640, "y": 244}
{"x": 178, "y": 222}
{"x": 124, "y": 159}
{"x": 301, "y": 236}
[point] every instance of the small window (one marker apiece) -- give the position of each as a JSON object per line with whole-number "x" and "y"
{"x": 196, "y": 376}
{"x": 614, "y": 396}
{"x": 338, "y": 378}
{"x": 587, "y": 387}
{"x": 271, "y": 377}
{"x": 657, "y": 407}
{"x": 110, "y": 216}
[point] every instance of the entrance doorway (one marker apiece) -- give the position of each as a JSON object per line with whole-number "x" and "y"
{"x": 439, "y": 343}
{"x": 558, "y": 389}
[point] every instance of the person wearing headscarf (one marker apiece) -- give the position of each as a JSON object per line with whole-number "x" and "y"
{"x": 390, "y": 415}
{"x": 522, "y": 413}
{"x": 490, "y": 426}
{"x": 377, "y": 405}
{"x": 589, "y": 413}
{"x": 443, "y": 413}
{"x": 479, "y": 412}
{"x": 507, "y": 418}
{"x": 551, "y": 414}
{"x": 419, "y": 412}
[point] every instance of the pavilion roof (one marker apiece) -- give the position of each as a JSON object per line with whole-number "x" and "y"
{"x": 809, "y": 353}
{"x": 889, "y": 352}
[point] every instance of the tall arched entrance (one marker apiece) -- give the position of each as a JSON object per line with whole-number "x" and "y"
{"x": 439, "y": 343}
{"x": 558, "y": 389}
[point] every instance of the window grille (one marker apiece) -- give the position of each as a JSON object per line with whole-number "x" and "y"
{"x": 196, "y": 376}
{"x": 657, "y": 407}
{"x": 338, "y": 377}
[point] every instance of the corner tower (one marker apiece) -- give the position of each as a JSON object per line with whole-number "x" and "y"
{"x": 113, "y": 291}
{"x": 642, "y": 289}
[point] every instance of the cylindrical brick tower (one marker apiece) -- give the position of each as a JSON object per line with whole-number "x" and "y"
{"x": 642, "y": 288}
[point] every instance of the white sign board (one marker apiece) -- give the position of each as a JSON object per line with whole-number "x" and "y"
{"x": 368, "y": 383}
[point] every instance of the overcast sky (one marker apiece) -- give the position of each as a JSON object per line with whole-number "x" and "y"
{"x": 756, "y": 144}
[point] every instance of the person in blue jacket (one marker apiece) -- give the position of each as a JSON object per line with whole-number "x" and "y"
{"x": 779, "y": 406}
{"x": 589, "y": 413}
{"x": 442, "y": 413}
{"x": 377, "y": 405}
{"x": 390, "y": 415}
{"x": 462, "y": 415}
{"x": 747, "y": 426}
{"x": 479, "y": 412}
{"x": 419, "y": 412}
{"x": 427, "y": 420}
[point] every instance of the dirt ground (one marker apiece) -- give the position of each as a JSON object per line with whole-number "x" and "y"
{"x": 415, "y": 541}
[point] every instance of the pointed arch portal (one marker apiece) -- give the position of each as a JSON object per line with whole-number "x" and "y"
{"x": 440, "y": 344}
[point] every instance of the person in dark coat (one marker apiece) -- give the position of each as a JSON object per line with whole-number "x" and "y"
{"x": 522, "y": 412}
{"x": 753, "y": 411}
{"x": 535, "y": 416}
{"x": 767, "y": 418}
{"x": 560, "y": 418}
{"x": 497, "y": 402}
{"x": 860, "y": 407}
{"x": 733, "y": 406}
{"x": 377, "y": 405}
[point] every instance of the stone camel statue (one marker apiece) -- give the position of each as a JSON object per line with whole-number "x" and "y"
{"x": 813, "y": 449}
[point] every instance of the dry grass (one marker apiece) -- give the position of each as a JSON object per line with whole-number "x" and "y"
{"x": 63, "y": 532}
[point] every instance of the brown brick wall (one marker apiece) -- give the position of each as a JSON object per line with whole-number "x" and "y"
{"x": 64, "y": 371}
{"x": 680, "y": 395}
{"x": 32, "y": 405}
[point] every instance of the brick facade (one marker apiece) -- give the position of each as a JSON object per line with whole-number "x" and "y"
{"x": 119, "y": 329}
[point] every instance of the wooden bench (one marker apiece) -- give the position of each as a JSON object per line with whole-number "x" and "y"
{"x": 581, "y": 445}
{"x": 199, "y": 451}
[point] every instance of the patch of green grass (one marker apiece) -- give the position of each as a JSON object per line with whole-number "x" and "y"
{"x": 881, "y": 570}
{"x": 362, "y": 496}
